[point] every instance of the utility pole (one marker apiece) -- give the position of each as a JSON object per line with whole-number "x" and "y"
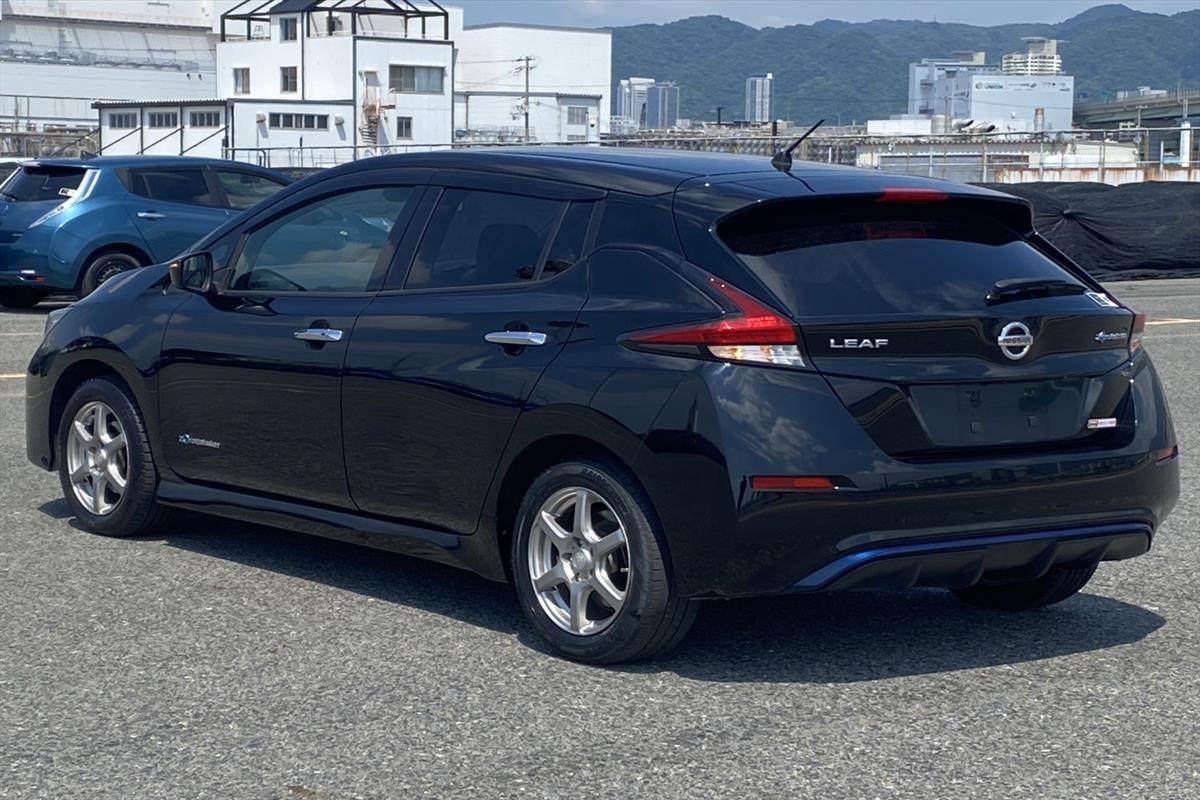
{"x": 719, "y": 108}
{"x": 526, "y": 67}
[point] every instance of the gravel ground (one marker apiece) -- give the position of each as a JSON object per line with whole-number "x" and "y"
{"x": 233, "y": 661}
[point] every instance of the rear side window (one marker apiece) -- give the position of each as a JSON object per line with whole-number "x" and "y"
{"x": 172, "y": 186}
{"x": 862, "y": 257}
{"x": 32, "y": 184}
{"x": 244, "y": 189}
{"x": 637, "y": 221}
{"x": 478, "y": 238}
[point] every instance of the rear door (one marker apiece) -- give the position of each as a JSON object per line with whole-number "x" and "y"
{"x": 443, "y": 362}
{"x": 944, "y": 326}
{"x": 173, "y": 207}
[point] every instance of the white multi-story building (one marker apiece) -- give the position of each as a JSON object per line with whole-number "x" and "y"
{"x": 1040, "y": 58}
{"x": 314, "y": 82}
{"x": 567, "y": 73}
{"x": 662, "y": 106}
{"x": 59, "y": 56}
{"x": 760, "y": 93}
{"x": 924, "y": 74}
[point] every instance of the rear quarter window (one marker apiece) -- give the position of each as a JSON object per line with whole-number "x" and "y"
{"x": 862, "y": 257}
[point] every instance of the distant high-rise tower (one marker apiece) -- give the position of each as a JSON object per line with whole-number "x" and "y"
{"x": 631, "y": 99}
{"x": 662, "y": 105}
{"x": 760, "y": 97}
{"x": 1040, "y": 58}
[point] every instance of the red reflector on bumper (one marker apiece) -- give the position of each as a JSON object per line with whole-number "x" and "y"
{"x": 1166, "y": 454}
{"x": 783, "y": 483}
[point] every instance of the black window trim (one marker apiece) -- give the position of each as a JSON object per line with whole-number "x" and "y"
{"x": 398, "y": 274}
{"x": 382, "y": 262}
{"x": 126, "y": 174}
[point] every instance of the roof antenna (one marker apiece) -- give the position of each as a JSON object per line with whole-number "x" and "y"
{"x": 782, "y": 160}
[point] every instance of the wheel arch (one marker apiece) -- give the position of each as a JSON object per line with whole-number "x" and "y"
{"x": 123, "y": 246}
{"x": 71, "y": 378}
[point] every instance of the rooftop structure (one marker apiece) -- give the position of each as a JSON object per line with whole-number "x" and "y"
{"x": 1040, "y": 58}
{"x": 631, "y": 99}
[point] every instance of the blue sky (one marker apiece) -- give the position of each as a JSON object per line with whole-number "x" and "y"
{"x": 761, "y": 13}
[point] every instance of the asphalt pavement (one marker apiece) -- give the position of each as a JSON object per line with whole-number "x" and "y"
{"x": 230, "y": 661}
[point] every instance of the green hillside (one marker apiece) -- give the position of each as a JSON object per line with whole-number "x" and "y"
{"x": 852, "y": 71}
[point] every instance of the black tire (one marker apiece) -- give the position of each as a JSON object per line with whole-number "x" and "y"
{"x": 105, "y": 266}
{"x": 653, "y": 617}
{"x": 1055, "y": 586}
{"x": 137, "y": 512}
{"x": 21, "y": 298}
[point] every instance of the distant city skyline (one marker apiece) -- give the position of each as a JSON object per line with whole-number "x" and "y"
{"x": 779, "y": 13}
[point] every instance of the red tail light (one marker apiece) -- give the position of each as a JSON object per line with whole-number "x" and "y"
{"x": 786, "y": 483}
{"x": 1135, "y": 332}
{"x": 904, "y": 195}
{"x": 1166, "y": 454}
{"x": 755, "y": 332}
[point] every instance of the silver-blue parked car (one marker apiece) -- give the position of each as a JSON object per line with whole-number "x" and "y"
{"x": 68, "y": 225}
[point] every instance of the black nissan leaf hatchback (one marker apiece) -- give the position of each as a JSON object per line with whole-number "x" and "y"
{"x": 627, "y": 382}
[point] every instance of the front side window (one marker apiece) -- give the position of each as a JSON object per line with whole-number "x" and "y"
{"x": 244, "y": 189}
{"x": 416, "y": 80}
{"x": 577, "y": 115}
{"x": 122, "y": 120}
{"x": 404, "y": 128}
{"x": 241, "y": 80}
{"x": 478, "y": 238}
{"x": 172, "y": 186}
{"x": 287, "y": 29}
{"x": 329, "y": 245}
{"x": 287, "y": 79}
{"x": 164, "y": 119}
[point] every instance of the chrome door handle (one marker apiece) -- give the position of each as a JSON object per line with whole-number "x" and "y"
{"x": 517, "y": 338}
{"x": 319, "y": 335}
{"x": 150, "y": 215}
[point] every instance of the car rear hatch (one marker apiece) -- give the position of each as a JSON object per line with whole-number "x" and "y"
{"x": 32, "y": 191}
{"x": 945, "y": 326}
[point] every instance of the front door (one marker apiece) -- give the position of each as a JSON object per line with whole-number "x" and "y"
{"x": 172, "y": 208}
{"x": 250, "y": 387}
{"x": 440, "y": 369}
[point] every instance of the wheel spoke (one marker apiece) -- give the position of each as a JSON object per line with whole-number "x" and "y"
{"x": 583, "y": 515}
{"x": 82, "y": 432}
{"x": 608, "y": 544}
{"x": 99, "y": 485}
{"x": 114, "y": 445}
{"x": 558, "y": 534}
{"x": 602, "y": 584}
{"x": 80, "y": 472}
{"x": 551, "y": 578}
{"x": 115, "y": 477}
{"x": 579, "y": 597}
{"x": 100, "y": 426}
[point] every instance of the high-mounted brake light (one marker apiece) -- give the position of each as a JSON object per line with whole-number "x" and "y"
{"x": 1136, "y": 332}
{"x": 903, "y": 195}
{"x": 755, "y": 332}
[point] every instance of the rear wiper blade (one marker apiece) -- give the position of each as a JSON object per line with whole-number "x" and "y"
{"x": 1021, "y": 288}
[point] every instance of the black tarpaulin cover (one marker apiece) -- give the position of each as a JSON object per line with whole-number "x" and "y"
{"x": 1139, "y": 230}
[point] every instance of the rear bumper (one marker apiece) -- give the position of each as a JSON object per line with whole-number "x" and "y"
{"x": 22, "y": 280}
{"x": 961, "y": 562}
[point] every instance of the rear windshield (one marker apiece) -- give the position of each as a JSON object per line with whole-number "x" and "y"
{"x": 41, "y": 183}
{"x": 869, "y": 258}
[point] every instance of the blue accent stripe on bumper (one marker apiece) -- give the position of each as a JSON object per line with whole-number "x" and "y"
{"x": 846, "y": 564}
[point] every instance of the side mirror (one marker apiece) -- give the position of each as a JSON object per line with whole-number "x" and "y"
{"x": 192, "y": 273}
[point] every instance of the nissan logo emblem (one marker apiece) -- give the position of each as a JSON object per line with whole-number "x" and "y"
{"x": 1015, "y": 340}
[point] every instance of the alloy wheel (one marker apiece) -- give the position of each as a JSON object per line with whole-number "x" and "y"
{"x": 97, "y": 458}
{"x": 579, "y": 561}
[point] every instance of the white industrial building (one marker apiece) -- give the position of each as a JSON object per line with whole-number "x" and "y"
{"x": 924, "y": 74}
{"x": 315, "y": 82}
{"x": 760, "y": 95}
{"x": 59, "y": 56}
